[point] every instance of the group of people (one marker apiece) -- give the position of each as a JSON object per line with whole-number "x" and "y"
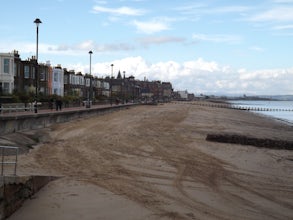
{"x": 58, "y": 104}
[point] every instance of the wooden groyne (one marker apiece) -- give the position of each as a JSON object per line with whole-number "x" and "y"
{"x": 231, "y": 106}
{"x": 253, "y": 141}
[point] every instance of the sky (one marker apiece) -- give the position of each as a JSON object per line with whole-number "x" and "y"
{"x": 211, "y": 47}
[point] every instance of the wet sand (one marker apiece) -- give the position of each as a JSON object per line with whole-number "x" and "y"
{"x": 153, "y": 162}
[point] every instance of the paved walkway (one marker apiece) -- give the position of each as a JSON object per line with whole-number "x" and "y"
{"x": 9, "y": 113}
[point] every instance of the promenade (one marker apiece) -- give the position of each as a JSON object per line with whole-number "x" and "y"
{"x": 30, "y": 111}
{"x": 12, "y": 121}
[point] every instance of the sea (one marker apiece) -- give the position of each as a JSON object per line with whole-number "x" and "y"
{"x": 281, "y": 110}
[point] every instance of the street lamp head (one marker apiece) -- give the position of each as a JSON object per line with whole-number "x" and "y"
{"x": 37, "y": 21}
{"x": 90, "y": 52}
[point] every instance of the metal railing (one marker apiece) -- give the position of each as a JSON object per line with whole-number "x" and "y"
{"x": 11, "y": 109}
{"x": 9, "y": 156}
{"x": 8, "y": 109}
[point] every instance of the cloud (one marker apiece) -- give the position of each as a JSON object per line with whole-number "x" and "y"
{"x": 201, "y": 76}
{"x": 196, "y": 76}
{"x": 279, "y": 14}
{"x": 217, "y": 38}
{"x": 119, "y": 11}
{"x": 91, "y": 45}
{"x": 283, "y": 1}
{"x": 28, "y": 48}
{"x": 283, "y": 27}
{"x": 228, "y": 9}
{"x": 256, "y": 48}
{"x": 150, "y": 27}
{"x": 147, "y": 41}
{"x": 201, "y": 8}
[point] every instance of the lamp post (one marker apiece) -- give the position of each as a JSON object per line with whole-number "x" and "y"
{"x": 91, "y": 83}
{"x": 112, "y": 65}
{"x": 37, "y": 22}
{"x": 124, "y": 88}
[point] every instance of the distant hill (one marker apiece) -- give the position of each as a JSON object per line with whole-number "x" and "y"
{"x": 280, "y": 97}
{"x": 263, "y": 97}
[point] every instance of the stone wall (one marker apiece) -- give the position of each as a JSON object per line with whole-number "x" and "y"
{"x": 13, "y": 123}
{"x": 15, "y": 190}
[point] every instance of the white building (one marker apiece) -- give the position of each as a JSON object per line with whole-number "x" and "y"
{"x": 183, "y": 94}
{"x": 6, "y": 73}
{"x": 58, "y": 81}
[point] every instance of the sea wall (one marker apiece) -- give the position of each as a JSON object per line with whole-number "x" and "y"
{"x": 18, "y": 122}
{"x": 14, "y": 190}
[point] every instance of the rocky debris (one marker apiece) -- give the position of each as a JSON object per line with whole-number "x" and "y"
{"x": 245, "y": 140}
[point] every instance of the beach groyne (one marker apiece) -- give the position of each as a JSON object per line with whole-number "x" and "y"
{"x": 18, "y": 122}
{"x": 236, "y": 107}
{"x": 253, "y": 141}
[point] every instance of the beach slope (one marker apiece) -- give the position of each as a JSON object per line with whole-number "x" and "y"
{"x": 154, "y": 162}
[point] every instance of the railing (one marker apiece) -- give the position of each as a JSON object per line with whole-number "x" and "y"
{"x": 9, "y": 156}
{"x": 13, "y": 109}
{"x": 9, "y": 109}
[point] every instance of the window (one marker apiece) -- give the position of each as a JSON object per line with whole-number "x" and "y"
{"x": 6, "y": 65}
{"x": 26, "y": 72}
{"x": 15, "y": 70}
{"x": 33, "y": 72}
{"x": 87, "y": 82}
{"x": 55, "y": 77}
{"x": 6, "y": 88}
{"x": 66, "y": 79}
{"x": 42, "y": 76}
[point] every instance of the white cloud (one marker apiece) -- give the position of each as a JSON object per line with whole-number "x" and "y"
{"x": 205, "y": 8}
{"x": 217, "y": 38}
{"x": 89, "y": 45}
{"x": 201, "y": 76}
{"x": 150, "y": 27}
{"x": 201, "y": 65}
{"x": 283, "y": 27}
{"x": 147, "y": 41}
{"x": 119, "y": 11}
{"x": 256, "y": 48}
{"x": 228, "y": 9}
{"x": 283, "y": 1}
{"x": 280, "y": 14}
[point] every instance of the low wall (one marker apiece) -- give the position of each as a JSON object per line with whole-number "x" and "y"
{"x": 9, "y": 124}
{"x": 14, "y": 190}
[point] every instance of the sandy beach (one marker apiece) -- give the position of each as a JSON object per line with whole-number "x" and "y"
{"x": 153, "y": 162}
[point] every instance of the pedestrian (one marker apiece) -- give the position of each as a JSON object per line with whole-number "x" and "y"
{"x": 56, "y": 104}
{"x": 60, "y": 104}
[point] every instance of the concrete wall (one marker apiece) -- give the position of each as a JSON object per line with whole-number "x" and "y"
{"x": 9, "y": 124}
{"x": 15, "y": 190}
